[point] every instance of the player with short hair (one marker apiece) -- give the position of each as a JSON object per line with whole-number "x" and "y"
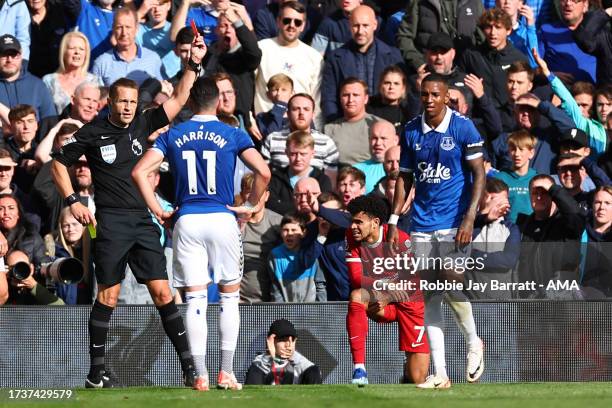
{"x": 366, "y": 241}
{"x": 442, "y": 152}
{"x": 202, "y": 154}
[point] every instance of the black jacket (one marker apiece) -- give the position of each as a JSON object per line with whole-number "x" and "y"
{"x": 281, "y": 192}
{"x": 457, "y": 18}
{"x": 551, "y": 247}
{"x": 491, "y": 66}
{"x": 241, "y": 65}
{"x": 594, "y": 37}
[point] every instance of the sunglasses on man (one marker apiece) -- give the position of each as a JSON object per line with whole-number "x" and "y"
{"x": 296, "y": 21}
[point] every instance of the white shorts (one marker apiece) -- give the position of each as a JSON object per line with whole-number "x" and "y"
{"x": 437, "y": 245}
{"x": 207, "y": 245}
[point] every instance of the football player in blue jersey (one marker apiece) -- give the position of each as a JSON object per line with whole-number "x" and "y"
{"x": 442, "y": 154}
{"x": 202, "y": 154}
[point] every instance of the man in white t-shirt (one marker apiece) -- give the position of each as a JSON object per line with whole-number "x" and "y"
{"x": 288, "y": 55}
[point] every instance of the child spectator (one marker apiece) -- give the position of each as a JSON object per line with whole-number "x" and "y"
{"x": 521, "y": 146}
{"x": 280, "y": 89}
{"x": 292, "y": 280}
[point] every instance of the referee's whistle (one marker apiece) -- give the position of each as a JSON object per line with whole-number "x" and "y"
{"x": 92, "y": 231}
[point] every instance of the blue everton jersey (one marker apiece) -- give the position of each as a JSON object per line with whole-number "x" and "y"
{"x": 202, "y": 156}
{"x": 438, "y": 157}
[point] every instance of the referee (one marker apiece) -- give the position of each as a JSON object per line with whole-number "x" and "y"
{"x": 125, "y": 230}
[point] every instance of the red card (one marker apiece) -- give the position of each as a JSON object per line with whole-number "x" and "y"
{"x": 194, "y": 29}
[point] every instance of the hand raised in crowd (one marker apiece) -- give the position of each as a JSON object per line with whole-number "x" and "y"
{"x": 542, "y": 183}
{"x": 237, "y": 12}
{"x": 271, "y": 348}
{"x": 527, "y": 12}
{"x": 82, "y": 214}
{"x": 421, "y": 74}
{"x": 30, "y": 166}
{"x": 496, "y": 208}
{"x": 540, "y": 61}
{"x": 475, "y": 84}
{"x": 313, "y": 202}
{"x": 324, "y": 227}
{"x": 198, "y": 49}
{"x": 529, "y": 100}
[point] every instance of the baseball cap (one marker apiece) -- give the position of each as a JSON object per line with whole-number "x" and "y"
{"x": 575, "y": 136}
{"x": 282, "y": 328}
{"x": 9, "y": 43}
{"x": 439, "y": 41}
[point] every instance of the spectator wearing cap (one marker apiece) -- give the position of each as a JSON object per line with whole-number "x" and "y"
{"x": 490, "y": 60}
{"x": 595, "y": 130}
{"x": 15, "y": 21}
{"x": 558, "y": 48}
{"x": 439, "y": 53}
{"x": 282, "y": 364}
{"x": 126, "y": 59}
{"x": 364, "y": 57}
{"x": 96, "y": 21}
{"x": 19, "y": 87}
{"x": 594, "y": 37}
{"x": 51, "y": 19}
{"x": 426, "y": 17}
{"x": 528, "y": 112}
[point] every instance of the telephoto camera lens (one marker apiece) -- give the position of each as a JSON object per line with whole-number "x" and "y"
{"x": 19, "y": 271}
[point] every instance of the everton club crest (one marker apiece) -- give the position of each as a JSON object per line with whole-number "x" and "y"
{"x": 447, "y": 143}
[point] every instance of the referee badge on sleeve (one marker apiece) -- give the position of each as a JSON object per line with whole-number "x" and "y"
{"x": 109, "y": 153}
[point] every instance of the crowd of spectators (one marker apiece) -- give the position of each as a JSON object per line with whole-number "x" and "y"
{"x": 324, "y": 89}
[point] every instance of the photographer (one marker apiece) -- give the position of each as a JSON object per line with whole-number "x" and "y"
{"x": 26, "y": 291}
{"x": 282, "y": 364}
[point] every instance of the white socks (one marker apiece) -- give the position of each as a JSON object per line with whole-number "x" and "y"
{"x": 435, "y": 334}
{"x": 229, "y": 325}
{"x": 462, "y": 310}
{"x": 197, "y": 329}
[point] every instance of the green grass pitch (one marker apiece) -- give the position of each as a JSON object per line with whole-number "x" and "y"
{"x": 554, "y": 395}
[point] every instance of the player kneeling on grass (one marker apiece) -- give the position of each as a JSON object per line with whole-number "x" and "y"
{"x": 365, "y": 247}
{"x": 282, "y": 364}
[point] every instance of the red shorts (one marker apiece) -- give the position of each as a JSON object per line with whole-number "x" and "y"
{"x": 411, "y": 321}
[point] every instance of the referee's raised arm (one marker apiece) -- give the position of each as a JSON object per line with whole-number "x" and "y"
{"x": 181, "y": 92}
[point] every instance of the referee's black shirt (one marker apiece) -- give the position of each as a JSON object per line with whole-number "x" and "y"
{"x": 112, "y": 152}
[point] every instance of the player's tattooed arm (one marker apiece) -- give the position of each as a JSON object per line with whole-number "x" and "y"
{"x": 464, "y": 235}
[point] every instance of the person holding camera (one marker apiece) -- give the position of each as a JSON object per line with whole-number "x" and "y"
{"x": 23, "y": 288}
{"x": 282, "y": 364}
{"x": 73, "y": 242}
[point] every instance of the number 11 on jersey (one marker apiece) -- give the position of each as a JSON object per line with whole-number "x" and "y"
{"x": 192, "y": 171}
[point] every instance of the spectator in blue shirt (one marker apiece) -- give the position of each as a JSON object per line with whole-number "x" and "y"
{"x": 523, "y": 35}
{"x": 96, "y": 22}
{"x": 155, "y": 35}
{"x": 15, "y": 20}
{"x": 17, "y": 86}
{"x": 127, "y": 59}
{"x": 560, "y": 51}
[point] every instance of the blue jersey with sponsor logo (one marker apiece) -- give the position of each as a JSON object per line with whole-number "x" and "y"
{"x": 438, "y": 157}
{"x": 202, "y": 157}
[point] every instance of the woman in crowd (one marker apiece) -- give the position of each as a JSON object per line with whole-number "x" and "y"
{"x": 73, "y": 65}
{"x": 596, "y": 265}
{"x": 390, "y": 103}
{"x": 73, "y": 242}
{"x": 19, "y": 232}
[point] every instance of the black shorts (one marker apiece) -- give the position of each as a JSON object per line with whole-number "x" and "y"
{"x": 127, "y": 237}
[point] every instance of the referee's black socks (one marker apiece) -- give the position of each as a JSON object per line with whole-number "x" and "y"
{"x": 175, "y": 329}
{"x": 98, "y": 328}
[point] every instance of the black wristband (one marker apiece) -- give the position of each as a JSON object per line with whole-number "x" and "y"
{"x": 193, "y": 66}
{"x": 71, "y": 199}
